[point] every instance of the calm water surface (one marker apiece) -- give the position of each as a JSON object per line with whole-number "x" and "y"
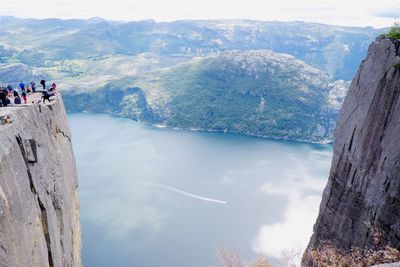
{"x": 165, "y": 198}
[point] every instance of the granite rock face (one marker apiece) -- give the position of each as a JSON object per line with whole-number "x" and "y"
{"x": 359, "y": 218}
{"x": 39, "y": 207}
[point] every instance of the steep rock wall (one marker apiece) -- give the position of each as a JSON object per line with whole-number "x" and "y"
{"x": 39, "y": 208}
{"x": 359, "y": 219}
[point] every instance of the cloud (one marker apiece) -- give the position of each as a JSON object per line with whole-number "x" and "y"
{"x": 116, "y": 214}
{"x": 303, "y": 190}
{"x": 341, "y": 12}
{"x": 311, "y": 9}
{"x": 64, "y": 3}
{"x": 293, "y": 233}
{"x": 391, "y": 13}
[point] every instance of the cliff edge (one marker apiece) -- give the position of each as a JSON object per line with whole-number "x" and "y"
{"x": 359, "y": 218}
{"x": 39, "y": 207}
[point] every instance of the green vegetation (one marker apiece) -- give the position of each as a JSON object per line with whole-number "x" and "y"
{"x": 48, "y": 43}
{"x": 394, "y": 31}
{"x": 199, "y": 75}
{"x": 255, "y": 92}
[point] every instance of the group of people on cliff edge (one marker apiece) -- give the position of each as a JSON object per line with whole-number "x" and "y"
{"x": 16, "y": 92}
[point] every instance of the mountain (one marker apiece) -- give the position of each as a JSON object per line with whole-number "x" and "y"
{"x": 359, "y": 218}
{"x": 18, "y": 71}
{"x": 333, "y": 49}
{"x": 96, "y": 57}
{"x": 257, "y": 92}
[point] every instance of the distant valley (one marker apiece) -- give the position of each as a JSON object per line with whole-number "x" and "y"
{"x": 225, "y": 75}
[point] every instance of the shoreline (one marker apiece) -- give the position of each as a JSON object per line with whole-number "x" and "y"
{"x": 198, "y": 130}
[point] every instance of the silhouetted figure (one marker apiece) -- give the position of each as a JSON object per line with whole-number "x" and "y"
{"x": 43, "y": 83}
{"x": 46, "y": 96}
{"x": 3, "y": 96}
{"x": 33, "y": 85}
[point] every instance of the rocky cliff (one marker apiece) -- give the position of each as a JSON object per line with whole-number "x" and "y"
{"x": 39, "y": 208}
{"x": 359, "y": 219}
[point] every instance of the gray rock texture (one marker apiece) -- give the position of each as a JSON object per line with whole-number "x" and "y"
{"x": 359, "y": 218}
{"x": 39, "y": 208}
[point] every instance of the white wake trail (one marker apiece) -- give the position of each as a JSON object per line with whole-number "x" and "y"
{"x": 184, "y": 193}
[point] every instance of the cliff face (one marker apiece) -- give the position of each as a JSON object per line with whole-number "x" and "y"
{"x": 39, "y": 208}
{"x": 359, "y": 219}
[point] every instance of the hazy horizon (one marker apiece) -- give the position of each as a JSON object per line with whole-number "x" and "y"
{"x": 178, "y": 20}
{"x": 340, "y": 12}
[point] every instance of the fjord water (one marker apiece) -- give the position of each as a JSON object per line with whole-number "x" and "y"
{"x": 161, "y": 197}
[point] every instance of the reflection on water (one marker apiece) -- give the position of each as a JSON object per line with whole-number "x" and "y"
{"x": 157, "y": 197}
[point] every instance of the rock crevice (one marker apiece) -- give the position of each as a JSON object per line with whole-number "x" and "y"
{"x": 39, "y": 207}
{"x": 359, "y": 219}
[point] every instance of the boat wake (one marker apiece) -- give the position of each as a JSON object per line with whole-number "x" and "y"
{"x": 184, "y": 193}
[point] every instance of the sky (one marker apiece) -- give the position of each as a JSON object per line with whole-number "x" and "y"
{"x": 376, "y": 13}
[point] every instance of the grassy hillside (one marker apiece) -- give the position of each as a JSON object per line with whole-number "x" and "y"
{"x": 255, "y": 92}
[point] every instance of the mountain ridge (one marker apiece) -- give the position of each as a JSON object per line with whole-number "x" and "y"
{"x": 250, "y": 92}
{"x": 88, "y": 55}
{"x": 334, "y": 49}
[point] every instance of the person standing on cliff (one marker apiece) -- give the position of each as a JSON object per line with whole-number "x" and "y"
{"x": 22, "y": 86}
{"x": 43, "y": 83}
{"x": 15, "y": 92}
{"x": 53, "y": 88}
{"x": 33, "y": 85}
{"x": 23, "y": 94}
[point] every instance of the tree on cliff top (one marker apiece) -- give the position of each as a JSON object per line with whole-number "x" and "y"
{"x": 394, "y": 31}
